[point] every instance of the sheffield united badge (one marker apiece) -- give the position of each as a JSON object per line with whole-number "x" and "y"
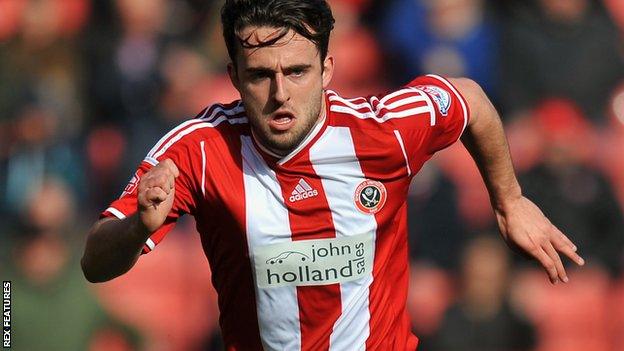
{"x": 370, "y": 196}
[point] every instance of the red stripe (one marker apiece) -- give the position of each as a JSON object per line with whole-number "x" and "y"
{"x": 319, "y": 306}
{"x": 417, "y": 121}
{"x": 404, "y": 95}
{"x": 173, "y": 135}
{"x": 223, "y": 223}
{"x": 198, "y": 121}
{"x": 226, "y": 107}
{"x": 389, "y": 327}
{"x": 374, "y": 105}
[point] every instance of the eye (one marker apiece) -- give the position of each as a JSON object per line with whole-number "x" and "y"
{"x": 299, "y": 72}
{"x": 258, "y": 76}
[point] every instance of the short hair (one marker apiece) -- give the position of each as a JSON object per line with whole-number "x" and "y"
{"x": 311, "y": 19}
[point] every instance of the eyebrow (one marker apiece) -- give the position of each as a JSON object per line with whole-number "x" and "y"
{"x": 299, "y": 67}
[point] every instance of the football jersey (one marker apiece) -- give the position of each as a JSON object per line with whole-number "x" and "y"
{"x": 308, "y": 251}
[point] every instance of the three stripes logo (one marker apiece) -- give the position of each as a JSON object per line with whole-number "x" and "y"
{"x": 302, "y": 191}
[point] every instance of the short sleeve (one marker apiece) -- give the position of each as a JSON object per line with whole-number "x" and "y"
{"x": 447, "y": 109}
{"x": 427, "y": 115}
{"x": 126, "y": 204}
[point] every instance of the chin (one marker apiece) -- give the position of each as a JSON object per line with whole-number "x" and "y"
{"x": 285, "y": 143}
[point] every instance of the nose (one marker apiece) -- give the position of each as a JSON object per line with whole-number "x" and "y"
{"x": 280, "y": 91}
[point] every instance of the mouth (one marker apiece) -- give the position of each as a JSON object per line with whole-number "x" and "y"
{"x": 282, "y": 121}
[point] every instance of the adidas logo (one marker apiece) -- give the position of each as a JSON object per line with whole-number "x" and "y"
{"x": 302, "y": 191}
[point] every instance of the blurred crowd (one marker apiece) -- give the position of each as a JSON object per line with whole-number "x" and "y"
{"x": 87, "y": 87}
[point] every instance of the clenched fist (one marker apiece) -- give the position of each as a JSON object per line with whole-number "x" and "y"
{"x": 155, "y": 194}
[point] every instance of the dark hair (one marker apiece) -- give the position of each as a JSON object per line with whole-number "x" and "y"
{"x": 311, "y": 19}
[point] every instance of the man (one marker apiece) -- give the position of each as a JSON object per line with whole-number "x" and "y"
{"x": 299, "y": 194}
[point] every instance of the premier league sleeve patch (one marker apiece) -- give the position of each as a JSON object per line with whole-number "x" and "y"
{"x": 441, "y": 97}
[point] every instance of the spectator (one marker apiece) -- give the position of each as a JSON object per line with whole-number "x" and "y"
{"x": 580, "y": 201}
{"x": 57, "y": 310}
{"x": 564, "y": 48}
{"x": 482, "y": 318}
{"x": 436, "y": 233}
{"x": 447, "y": 37}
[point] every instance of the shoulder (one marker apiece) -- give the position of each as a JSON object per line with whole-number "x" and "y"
{"x": 217, "y": 120}
{"x": 378, "y": 111}
{"x": 467, "y": 87}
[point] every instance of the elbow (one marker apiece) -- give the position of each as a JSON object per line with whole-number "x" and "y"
{"x": 92, "y": 268}
{"x": 89, "y": 273}
{"x": 469, "y": 89}
{"x": 478, "y": 102}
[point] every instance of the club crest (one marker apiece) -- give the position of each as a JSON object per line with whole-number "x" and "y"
{"x": 370, "y": 196}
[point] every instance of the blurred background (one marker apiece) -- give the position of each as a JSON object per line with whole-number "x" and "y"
{"x": 87, "y": 87}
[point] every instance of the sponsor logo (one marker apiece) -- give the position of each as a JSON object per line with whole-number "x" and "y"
{"x": 441, "y": 97}
{"x": 370, "y": 196}
{"x": 302, "y": 191}
{"x": 314, "y": 262}
{"x": 132, "y": 184}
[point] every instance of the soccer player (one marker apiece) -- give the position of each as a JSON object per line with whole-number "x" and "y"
{"x": 299, "y": 194}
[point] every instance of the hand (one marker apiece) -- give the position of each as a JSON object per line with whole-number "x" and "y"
{"x": 524, "y": 226}
{"x": 155, "y": 195}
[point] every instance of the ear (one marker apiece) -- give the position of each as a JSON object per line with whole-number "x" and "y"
{"x": 232, "y": 72}
{"x": 328, "y": 70}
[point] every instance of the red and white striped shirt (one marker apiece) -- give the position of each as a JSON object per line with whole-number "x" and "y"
{"x": 308, "y": 251}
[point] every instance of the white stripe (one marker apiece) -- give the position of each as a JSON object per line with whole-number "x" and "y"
{"x": 432, "y": 114}
{"x": 203, "y": 181}
{"x": 381, "y": 103}
{"x": 268, "y": 223}
{"x": 339, "y": 182}
{"x": 403, "y": 102}
{"x": 366, "y": 105}
{"x": 384, "y": 118}
{"x": 427, "y": 99}
{"x": 394, "y": 94}
{"x": 194, "y": 128}
{"x": 171, "y": 132}
{"x": 299, "y": 189}
{"x": 305, "y": 184}
{"x": 429, "y": 108}
{"x": 151, "y": 161}
{"x": 115, "y": 212}
{"x": 349, "y": 110}
{"x": 150, "y": 243}
{"x": 459, "y": 97}
{"x": 407, "y": 113}
{"x": 234, "y": 111}
{"x": 305, "y": 141}
{"x": 400, "y": 139}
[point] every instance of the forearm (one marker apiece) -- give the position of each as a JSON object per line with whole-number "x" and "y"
{"x": 522, "y": 224}
{"x": 113, "y": 247}
{"x": 485, "y": 140}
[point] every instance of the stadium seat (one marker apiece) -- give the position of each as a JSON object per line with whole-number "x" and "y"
{"x": 568, "y": 317}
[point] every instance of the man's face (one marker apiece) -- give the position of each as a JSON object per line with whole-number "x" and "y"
{"x": 281, "y": 86}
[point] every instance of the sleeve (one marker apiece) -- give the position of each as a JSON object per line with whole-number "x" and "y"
{"x": 184, "y": 202}
{"x": 428, "y": 115}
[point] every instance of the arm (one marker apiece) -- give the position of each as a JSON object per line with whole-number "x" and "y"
{"x": 113, "y": 246}
{"x": 521, "y": 222}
